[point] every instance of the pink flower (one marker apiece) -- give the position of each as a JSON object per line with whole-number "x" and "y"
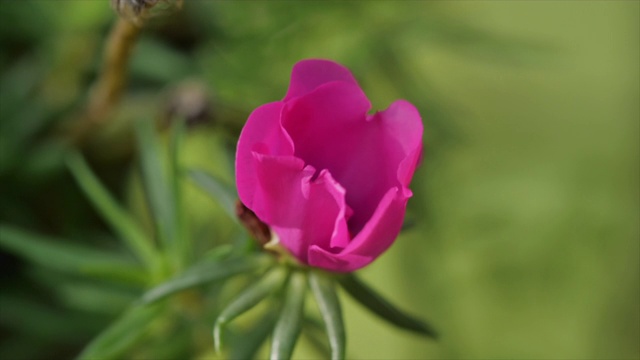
{"x": 330, "y": 180}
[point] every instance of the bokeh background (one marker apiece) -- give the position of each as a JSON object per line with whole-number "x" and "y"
{"x": 526, "y": 211}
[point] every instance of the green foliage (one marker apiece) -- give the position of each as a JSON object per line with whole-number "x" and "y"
{"x": 122, "y": 335}
{"x": 160, "y": 198}
{"x": 288, "y": 326}
{"x": 59, "y": 255}
{"x": 117, "y": 217}
{"x": 204, "y": 273}
{"x": 249, "y": 298}
{"x": 218, "y": 190}
{"x": 329, "y": 304}
{"x": 248, "y": 343}
{"x": 381, "y": 307}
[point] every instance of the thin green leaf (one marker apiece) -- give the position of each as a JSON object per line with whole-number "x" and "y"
{"x": 249, "y": 298}
{"x": 176, "y": 344}
{"x": 116, "y": 217}
{"x": 218, "y": 190}
{"x": 315, "y": 337}
{"x": 183, "y": 245}
{"x": 32, "y": 317}
{"x": 383, "y": 308}
{"x": 125, "y": 273}
{"x": 248, "y": 343}
{"x": 122, "y": 335}
{"x": 156, "y": 186}
{"x": 67, "y": 257}
{"x": 218, "y": 253}
{"x": 93, "y": 298}
{"x": 205, "y": 273}
{"x": 324, "y": 291}
{"x": 288, "y": 326}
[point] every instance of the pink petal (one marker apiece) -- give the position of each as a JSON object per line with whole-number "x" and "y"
{"x": 403, "y": 123}
{"x": 303, "y": 211}
{"x": 262, "y": 130}
{"x": 376, "y": 237}
{"x": 367, "y": 155}
{"x": 319, "y": 170}
{"x": 307, "y": 75}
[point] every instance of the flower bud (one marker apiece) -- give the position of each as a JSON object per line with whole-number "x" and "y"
{"x": 328, "y": 178}
{"x": 138, "y": 10}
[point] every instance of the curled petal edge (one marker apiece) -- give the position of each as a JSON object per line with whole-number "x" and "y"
{"x": 263, "y": 127}
{"x": 302, "y": 208}
{"x": 376, "y": 237}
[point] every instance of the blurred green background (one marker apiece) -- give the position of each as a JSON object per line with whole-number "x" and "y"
{"x": 526, "y": 207}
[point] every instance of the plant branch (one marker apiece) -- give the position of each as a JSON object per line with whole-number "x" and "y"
{"x": 107, "y": 90}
